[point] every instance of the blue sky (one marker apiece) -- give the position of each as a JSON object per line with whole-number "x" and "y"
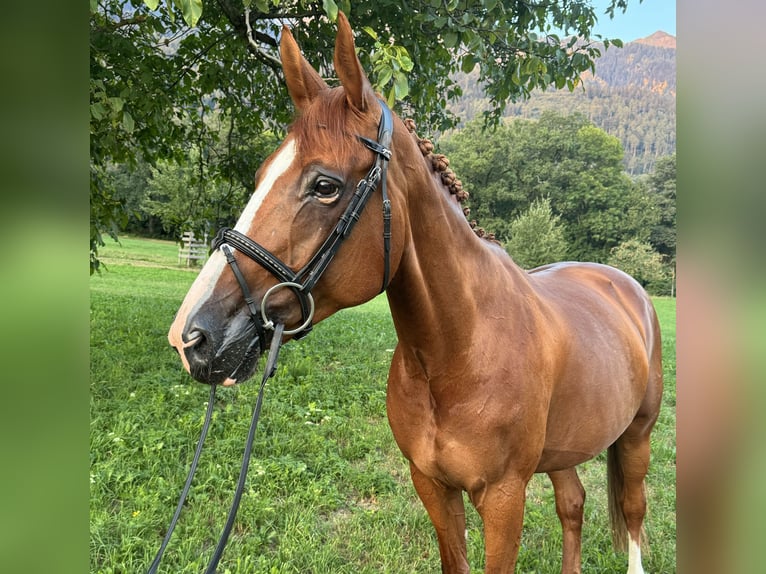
{"x": 639, "y": 20}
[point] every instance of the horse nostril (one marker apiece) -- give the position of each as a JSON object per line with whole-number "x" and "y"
{"x": 194, "y": 337}
{"x": 196, "y": 345}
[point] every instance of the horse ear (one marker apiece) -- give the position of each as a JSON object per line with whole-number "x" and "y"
{"x": 303, "y": 81}
{"x": 348, "y": 67}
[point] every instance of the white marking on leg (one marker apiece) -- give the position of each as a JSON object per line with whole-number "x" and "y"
{"x": 634, "y": 558}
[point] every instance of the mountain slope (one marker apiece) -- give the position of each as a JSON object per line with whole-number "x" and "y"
{"x": 659, "y": 39}
{"x": 632, "y": 96}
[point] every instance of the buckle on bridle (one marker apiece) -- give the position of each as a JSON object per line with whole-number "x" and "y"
{"x": 381, "y": 150}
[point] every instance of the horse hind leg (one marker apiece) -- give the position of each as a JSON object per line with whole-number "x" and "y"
{"x": 627, "y": 465}
{"x": 570, "y": 501}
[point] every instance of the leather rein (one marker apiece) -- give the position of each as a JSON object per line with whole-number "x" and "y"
{"x": 301, "y": 282}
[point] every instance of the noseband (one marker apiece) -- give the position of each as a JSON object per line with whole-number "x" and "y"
{"x": 304, "y": 280}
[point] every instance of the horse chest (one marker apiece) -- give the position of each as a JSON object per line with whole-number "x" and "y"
{"x": 437, "y": 452}
{"x": 463, "y": 443}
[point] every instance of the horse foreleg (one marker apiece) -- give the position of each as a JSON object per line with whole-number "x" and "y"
{"x": 501, "y": 506}
{"x": 447, "y": 512}
{"x": 570, "y": 499}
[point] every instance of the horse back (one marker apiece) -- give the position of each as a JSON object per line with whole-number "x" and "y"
{"x": 601, "y": 292}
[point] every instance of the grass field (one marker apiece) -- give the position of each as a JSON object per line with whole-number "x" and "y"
{"x": 328, "y": 491}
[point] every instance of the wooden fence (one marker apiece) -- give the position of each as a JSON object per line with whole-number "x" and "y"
{"x": 192, "y": 249}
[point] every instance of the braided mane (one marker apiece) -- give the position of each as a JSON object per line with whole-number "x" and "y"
{"x": 440, "y": 165}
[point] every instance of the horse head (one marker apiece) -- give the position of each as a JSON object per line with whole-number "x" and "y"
{"x": 273, "y": 266}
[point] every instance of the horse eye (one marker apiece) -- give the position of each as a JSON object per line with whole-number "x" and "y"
{"x": 326, "y": 190}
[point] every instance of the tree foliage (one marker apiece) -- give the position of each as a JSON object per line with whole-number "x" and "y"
{"x": 199, "y": 193}
{"x": 642, "y": 262}
{"x": 564, "y": 158}
{"x": 537, "y": 236}
{"x": 662, "y": 186}
{"x": 154, "y": 77}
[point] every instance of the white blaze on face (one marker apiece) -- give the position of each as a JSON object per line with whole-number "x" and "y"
{"x": 203, "y": 286}
{"x": 282, "y": 162}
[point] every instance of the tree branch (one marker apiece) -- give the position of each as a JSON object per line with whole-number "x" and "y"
{"x": 111, "y": 26}
{"x": 190, "y": 66}
{"x": 140, "y": 19}
{"x": 241, "y": 25}
{"x": 256, "y": 40}
{"x": 269, "y": 59}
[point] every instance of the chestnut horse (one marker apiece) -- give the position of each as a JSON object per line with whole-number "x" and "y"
{"x": 498, "y": 373}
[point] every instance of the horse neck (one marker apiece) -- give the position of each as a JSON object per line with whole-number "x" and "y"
{"x": 448, "y": 277}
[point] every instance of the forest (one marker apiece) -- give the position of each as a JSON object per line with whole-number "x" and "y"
{"x": 631, "y": 95}
{"x": 555, "y": 188}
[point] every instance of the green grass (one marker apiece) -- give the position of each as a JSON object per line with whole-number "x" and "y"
{"x": 328, "y": 490}
{"x": 143, "y": 252}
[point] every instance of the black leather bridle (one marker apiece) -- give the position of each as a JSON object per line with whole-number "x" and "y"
{"x": 304, "y": 280}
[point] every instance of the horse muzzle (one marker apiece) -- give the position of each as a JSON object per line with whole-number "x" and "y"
{"x": 214, "y": 354}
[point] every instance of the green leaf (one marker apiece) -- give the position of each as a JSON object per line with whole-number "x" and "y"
{"x": 116, "y": 103}
{"x": 516, "y": 75}
{"x": 391, "y": 98}
{"x": 97, "y": 111}
{"x": 191, "y": 10}
{"x": 127, "y": 122}
{"x": 331, "y": 9}
{"x": 384, "y": 77}
{"x": 401, "y": 86}
{"x": 370, "y": 32}
{"x": 467, "y": 64}
{"x": 450, "y": 39}
{"x": 403, "y": 58}
{"x": 152, "y": 4}
{"x": 169, "y": 6}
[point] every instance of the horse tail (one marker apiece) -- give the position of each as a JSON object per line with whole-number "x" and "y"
{"x": 615, "y": 484}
